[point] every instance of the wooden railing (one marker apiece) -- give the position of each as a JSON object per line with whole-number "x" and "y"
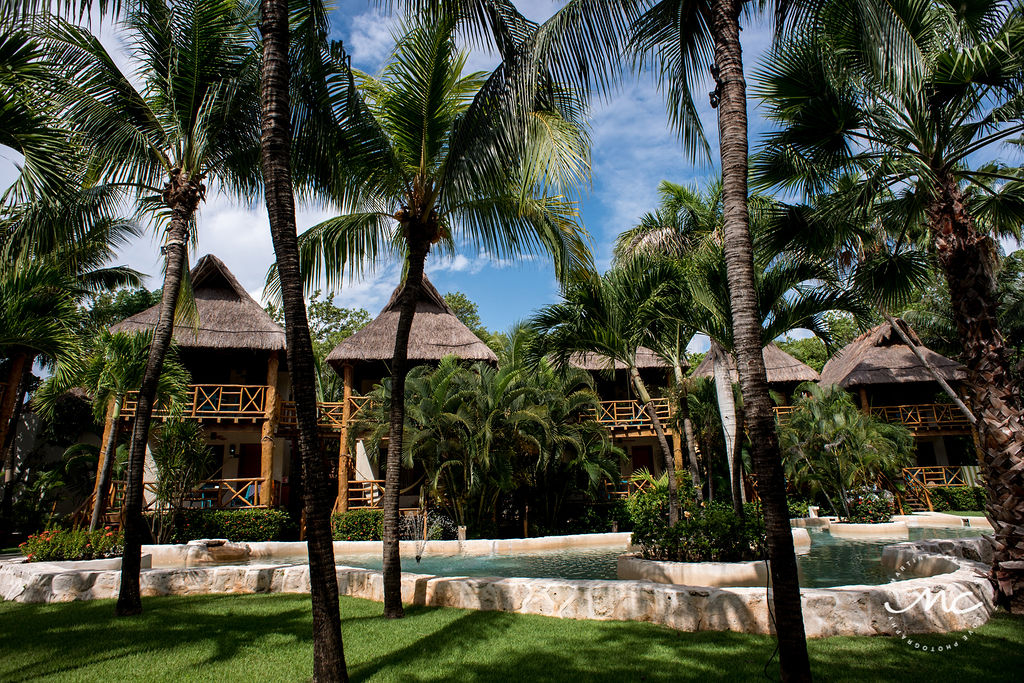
{"x": 631, "y": 414}
{"x": 941, "y": 475}
{"x": 331, "y": 415}
{"x": 365, "y": 493}
{"x": 622, "y": 489}
{"x": 917, "y": 417}
{"x": 213, "y": 402}
{"x": 219, "y": 494}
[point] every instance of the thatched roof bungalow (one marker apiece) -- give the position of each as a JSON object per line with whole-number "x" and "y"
{"x": 436, "y": 333}
{"x": 784, "y": 371}
{"x": 880, "y": 359}
{"x": 611, "y": 380}
{"x": 235, "y": 337}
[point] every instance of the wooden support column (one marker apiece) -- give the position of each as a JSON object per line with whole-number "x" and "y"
{"x": 864, "y": 406}
{"x": 267, "y": 435}
{"x": 677, "y": 451}
{"x": 344, "y": 458}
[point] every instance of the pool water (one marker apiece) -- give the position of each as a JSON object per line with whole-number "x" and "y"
{"x": 831, "y": 561}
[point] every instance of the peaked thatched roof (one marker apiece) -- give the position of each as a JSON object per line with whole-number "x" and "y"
{"x": 879, "y": 356}
{"x": 436, "y": 333}
{"x": 228, "y": 317}
{"x": 593, "y": 362}
{"x": 781, "y": 367}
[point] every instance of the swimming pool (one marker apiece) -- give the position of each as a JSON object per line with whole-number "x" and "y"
{"x": 830, "y": 562}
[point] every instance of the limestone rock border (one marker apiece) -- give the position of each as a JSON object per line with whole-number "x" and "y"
{"x": 845, "y": 610}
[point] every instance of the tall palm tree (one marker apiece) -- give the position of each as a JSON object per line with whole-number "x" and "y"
{"x": 276, "y": 152}
{"x": 907, "y": 131}
{"x": 191, "y": 122}
{"x": 430, "y": 156}
{"x": 114, "y": 366}
{"x": 604, "y": 316}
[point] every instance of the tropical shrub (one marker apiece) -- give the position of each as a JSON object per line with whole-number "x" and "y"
{"x": 798, "y": 507}
{"x": 957, "y": 498}
{"x": 704, "y": 533}
{"x": 869, "y": 508}
{"x": 831, "y": 448}
{"x": 72, "y": 544}
{"x": 241, "y": 526}
{"x": 358, "y": 525}
{"x": 183, "y": 458}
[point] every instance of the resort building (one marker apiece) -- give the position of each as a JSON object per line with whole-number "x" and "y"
{"x": 235, "y": 354}
{"x": 363, "y": 360}
{"x": 622, "y": 413}
{"x": 784, "y": 372}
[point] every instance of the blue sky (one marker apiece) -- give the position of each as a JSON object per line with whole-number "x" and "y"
{"x": 632, "y": 151}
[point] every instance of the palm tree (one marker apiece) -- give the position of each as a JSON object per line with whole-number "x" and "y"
{"x": 431, "y": 156}
{"x": 191, "y": 122}
{"x": 603, "y": 315}
{"x": 115, "y": 366}
{"x": 276, "y": 164}
{"x": 895, "y": 141}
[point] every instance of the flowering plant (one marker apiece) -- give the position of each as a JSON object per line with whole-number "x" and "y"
{"x": 73, "y": 544}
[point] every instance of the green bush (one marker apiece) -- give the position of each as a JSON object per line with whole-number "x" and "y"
{"x": 241, "y": 526}
{"x": 708, "y": 533}
{"x": 358, "y": 525}
{"x": 73, "y": 544}
{"x": 869, "y": 508}
{"x": 798, "y": 507}
{"x": 957, "y": 498}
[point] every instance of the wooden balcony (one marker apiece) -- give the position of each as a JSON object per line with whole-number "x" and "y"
{"x": 942, "y": 475}
{"x": 922, "y": 419}
{"x": 216, "y": 493}
{"x": 629, "y": 419}
{"x": 218, "y": 402}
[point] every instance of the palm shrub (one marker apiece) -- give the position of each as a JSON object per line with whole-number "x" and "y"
{"x": 183, "y": 459}
{"x": 832, "y": 448}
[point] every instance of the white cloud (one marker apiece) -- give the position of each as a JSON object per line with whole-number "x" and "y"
{"x": 370, "y": 38}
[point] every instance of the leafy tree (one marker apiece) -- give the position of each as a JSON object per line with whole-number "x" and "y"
{"x": 808, "y": 350}
{"x": 183, "y": 458}
{"x": 108, "y": 308}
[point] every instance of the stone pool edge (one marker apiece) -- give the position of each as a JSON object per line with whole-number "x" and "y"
{"x": 844, "y": 610}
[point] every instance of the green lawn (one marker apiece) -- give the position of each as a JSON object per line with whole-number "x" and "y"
{"x": 267, "y": 637}
{"x": 966, "y": 513}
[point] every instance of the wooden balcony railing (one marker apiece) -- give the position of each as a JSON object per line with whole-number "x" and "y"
{"x": 220, "y": 494}
{"x": 622, "y": 489}
{"x": 917, "y": 417}
{"x": 630, "y": 415}
{"x": 365, "y": 493}
{"x": 942, "y": 475}
{"x": 331, "y": 414}
{"x": 213, "y": 402}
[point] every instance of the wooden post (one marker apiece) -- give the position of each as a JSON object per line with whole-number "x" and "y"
{"x": 108, "y": 426}
{"x": 267, "y": 435}
{"x": 677, "y": 451}
{"x": 344, "y": 458}
{"x": 864, "y": 406}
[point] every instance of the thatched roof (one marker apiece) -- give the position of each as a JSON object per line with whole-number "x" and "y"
{"x": 228, "y": 317}
{"x": 436, "y": 333}
{"x": 879, "y": 356}
{"x": 593, "y": 362}
{"x": 781, "y": 367}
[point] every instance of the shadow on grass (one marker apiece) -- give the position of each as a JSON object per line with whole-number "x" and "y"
{"x": 268, "y": 637}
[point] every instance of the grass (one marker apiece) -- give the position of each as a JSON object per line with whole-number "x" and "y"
{"x": 966, "y": 513}
{"x": 268, "y": 638}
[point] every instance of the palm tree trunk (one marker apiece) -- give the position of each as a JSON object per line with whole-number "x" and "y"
{"x": 670, "y": 462}
{"x": 129, "y": 600}
{"x": 418, "y": 249}
{"x": 107, "y": 456}
{"x": 276, "y": 144}
{"x": 759, "y": 422}
{"x": 15, "y": 373}
{"x": 730, "y": 425}
{"x": 969, "y": 262}
{"x": 691, "y": 448}
{"x": 9, "y": 444}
